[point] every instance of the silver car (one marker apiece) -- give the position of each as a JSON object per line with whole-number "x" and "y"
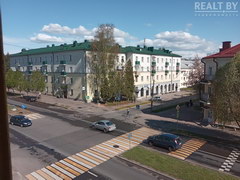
{"x": 104, "y": 125}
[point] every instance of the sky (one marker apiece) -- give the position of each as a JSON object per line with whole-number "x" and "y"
{"x": 187, "y": 27}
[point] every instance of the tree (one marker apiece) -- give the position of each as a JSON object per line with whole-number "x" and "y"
{"x": 37, "y": 81}
{"x": 11, "y": 82}
{"x": 197, "y": 72}
{"x": 7, "y": 62}
{"x": 128, "y": 80}
{"x": 225, "y": 100}
{"x": 103, "y": 55}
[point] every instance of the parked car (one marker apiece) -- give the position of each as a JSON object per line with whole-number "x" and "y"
{"x": 104, "y": 125}
{"x": 30, "y": 98}
{"x": 157, "y": 98}
{"x": 20, "y": 120}
{"x": 169, "y": 141}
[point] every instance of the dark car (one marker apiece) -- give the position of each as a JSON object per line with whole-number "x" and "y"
{"x": 20, "y": 120}
{"x": 169, "y": 141}
{"x": 30, "y": 98}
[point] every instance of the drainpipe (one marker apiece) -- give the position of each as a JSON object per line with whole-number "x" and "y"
{"x": 214, "y": 60}
{"x": 5, "y": 153}
{"x": 53, "y": 71}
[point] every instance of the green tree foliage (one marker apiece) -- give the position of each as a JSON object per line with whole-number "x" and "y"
{"x": 226, "y": 92}
{"x": 11, "y": 82}
{"x": 128, "y": 81}
{"x": 37, "y": 81}
{"x": 103, "y": 56}
{"x": 7, "y": 62}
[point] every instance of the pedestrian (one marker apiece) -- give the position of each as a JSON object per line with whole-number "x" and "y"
{"x": 128, "y": 111}
{"x": 191, "y": 103}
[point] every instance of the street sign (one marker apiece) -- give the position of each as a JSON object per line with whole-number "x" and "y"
{"x": 83, "y": 88}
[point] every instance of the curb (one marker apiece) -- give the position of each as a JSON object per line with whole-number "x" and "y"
{"x": 164, "y": 176}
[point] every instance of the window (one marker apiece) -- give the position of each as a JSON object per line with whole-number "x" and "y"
{"x": 147, "y": 77}
{"x": 142, "y": 68}
{"x": 210, "y": 71}
{"x": 169, "y": 76}
{"x": 71, "y": 92}
{"x": 142, "y": 78}
{"x": 40, "y": 59}
{"x": 136, "y": 58}
{"x": 157, "y": 77}
{"x": 70, "y": 58}
{"x": 46, "y": 89}
{"x": 162, "y": 68}
{"x": 162, "y": 60}
{"x": 157, "y": 60}
{"x": 122, "y": 59}
{"x": 117, "y": 58}
{"x": 71, "y": 80}
{"x": 57, "y": 58}
{"x": 136, "y": 79}
{"x": 46, "y": 79}
{"x": 147, "y": 68}
{"x": 148, "y": 59}
{"x": 70, "y": 69}
{"x": 157, "y": 68}
{"x": 161, "y": 76}
{"x": 165, "y": 76}
{"x": 142, "y": 59}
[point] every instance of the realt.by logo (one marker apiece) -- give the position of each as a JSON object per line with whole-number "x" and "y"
{"x": 216, "y": 8}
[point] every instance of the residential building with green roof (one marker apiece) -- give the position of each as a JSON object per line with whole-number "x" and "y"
{"x": 66, "y": 68}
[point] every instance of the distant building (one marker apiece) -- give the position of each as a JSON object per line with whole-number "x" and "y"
{"x": 66, "y": 68}
{"x": 211, "y": 64}
{"x": 186, "y": 68}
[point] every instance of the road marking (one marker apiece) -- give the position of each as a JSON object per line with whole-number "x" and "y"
{"x": 51, "y": 174}
{"x": 37, "y": 176}
{"x": 34, "y": 116}
{"x": 67, "y": 168}
{"x": 92, "y": 174}
{"x": 71, "y": 166}
{"x": 74, "y": 163}
{"x": 230, "y": 160}
{"x": 95, "y": 155}
{"x": 187, "y": 149}
{"x": 88, "y": 159}
{"x": 58, "y": 173}
{"x": 44, "y": 175}
{"x": 81, "y": 162}
{"x": 63, "y": 170}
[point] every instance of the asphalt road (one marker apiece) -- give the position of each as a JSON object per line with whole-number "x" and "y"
{"x": 57, "y": 135}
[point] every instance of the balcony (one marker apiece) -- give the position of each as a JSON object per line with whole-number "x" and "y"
{"x": 63, "y": 62}
{"x": 45, "y": 73}
{"x": 178, "y": 64}
{"x": 154, "y": 63}
{"x": 205, "y": 98}
{"x": 29, "y": 63}
{"x": 137, "y": 62}
{"x": 166, "y": 64}
{"x": 177, "y": 71}
{"x": 166, "y": 72}
{"x": 153, "y": 72}
{"x": 44, "y": 63}
{"x": 63, "y": 73}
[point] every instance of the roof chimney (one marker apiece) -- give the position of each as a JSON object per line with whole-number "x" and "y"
{"x": 225, "y": 45}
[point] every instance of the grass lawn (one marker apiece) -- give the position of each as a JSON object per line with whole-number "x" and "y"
{"x": 173, "y": 166}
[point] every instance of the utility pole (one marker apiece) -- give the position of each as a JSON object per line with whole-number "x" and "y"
{"x": 5, "y": 154}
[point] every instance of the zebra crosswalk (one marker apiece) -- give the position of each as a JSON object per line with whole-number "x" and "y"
{"x": 81, "y": 162}
{"x": 188, "y": 148}
{"x": 34, "y": 116}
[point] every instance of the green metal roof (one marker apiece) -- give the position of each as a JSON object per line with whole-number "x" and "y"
{"x": 148, "y": 50}
{"x": 86, "y": 45}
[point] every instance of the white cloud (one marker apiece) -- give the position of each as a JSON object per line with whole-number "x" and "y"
{"x": 182, "y": 43}
{"x": 58, "y": 29}
{"x": 44, "y": 38}
{"x": 188, "y": 26}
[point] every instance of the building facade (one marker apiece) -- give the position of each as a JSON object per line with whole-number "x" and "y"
{"x": 211, "y": 64}
{"x": 66, "y": 68}
{"x": 186, "y": 69}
